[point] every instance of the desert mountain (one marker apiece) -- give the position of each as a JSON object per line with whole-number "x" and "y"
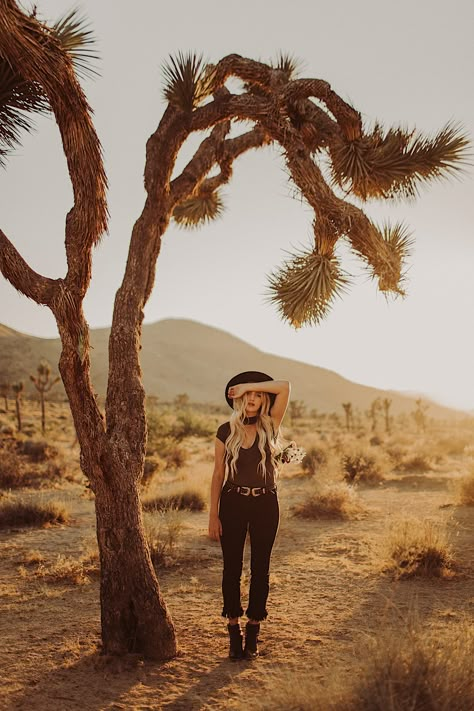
{"x": 181, "y": 356}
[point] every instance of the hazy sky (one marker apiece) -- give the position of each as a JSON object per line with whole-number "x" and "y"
{"x": 400, "y": 62}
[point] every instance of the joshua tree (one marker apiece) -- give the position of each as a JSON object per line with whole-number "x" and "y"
{"x": 386, "y": 403}
{"x": 373, "y": 413}
{"x": 297, "y": 409}
{"x": 313, "y": 127}
{"x": 4, "y": 390}
{"x": 181, "y": 401}
{"x": 43, "y": 384}
{"x": 349, "y": 415}
{"x": 18, "y": 390}
{"x": 419, "y": 414}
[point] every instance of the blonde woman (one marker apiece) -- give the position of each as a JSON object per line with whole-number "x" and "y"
{"x": 245, "y": 451}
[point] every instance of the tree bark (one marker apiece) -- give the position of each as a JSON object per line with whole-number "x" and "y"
{"x": 134, "y": 615}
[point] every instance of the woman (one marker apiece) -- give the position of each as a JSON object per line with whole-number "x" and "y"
{"x": 245, "y": 451}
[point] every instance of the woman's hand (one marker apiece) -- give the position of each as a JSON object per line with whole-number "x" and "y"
{"x": 237, "y": 390}
{"x": 215, "y": 527}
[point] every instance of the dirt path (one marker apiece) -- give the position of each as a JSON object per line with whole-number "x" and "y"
{"x": 327, "y": 591}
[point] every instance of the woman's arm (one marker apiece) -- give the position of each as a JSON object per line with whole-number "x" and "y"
{"x": 280, "y": 388}
{"x": 215, "y": 527}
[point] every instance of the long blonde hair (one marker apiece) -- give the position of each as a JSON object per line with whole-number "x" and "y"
{"x": 265, "y": 435}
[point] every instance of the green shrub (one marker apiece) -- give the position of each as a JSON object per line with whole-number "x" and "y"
{"x": 191, "y": 425}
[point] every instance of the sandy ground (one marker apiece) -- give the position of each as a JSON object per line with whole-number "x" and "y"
{"x": 327, "y": 592}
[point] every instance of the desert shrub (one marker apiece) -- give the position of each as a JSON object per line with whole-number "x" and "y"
{"x": 316, "y": 457}
{"x": 187, "y": 500}
{"x": 74, "y": 571}
{"x": 364, "y": 465}
{"x": 163, "y": 442}
{"x": 375, "y": 441}
{"x": 405, "y": 668}
{"x": 11, "y": 473}
{"x": 338, "y": 501}
{"x": 22, "y": 513}
{"x": 454, "y": 445}
{"x": 418, "y": 548}
{"x": 416, "y": 462}
{"x": 466, "y": 488}
{"x": 189, "y": 424}
{"x": 162, "y": 531}
{"x": 396, "y": 454}
{"x": 37, "y": 451}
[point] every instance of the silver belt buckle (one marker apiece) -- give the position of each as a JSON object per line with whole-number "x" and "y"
{"x": 246, "y": 492}
{"x": 259, "y": 489}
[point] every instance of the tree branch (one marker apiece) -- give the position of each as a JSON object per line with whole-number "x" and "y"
{"x": 25, "y": 280}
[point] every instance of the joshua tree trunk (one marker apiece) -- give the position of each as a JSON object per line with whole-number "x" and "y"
{"x": 18, "y": 413}
{"x": 43, "y": 414}
{"x": 133, "y": 613}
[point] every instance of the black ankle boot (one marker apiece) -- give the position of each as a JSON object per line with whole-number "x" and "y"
{"x": 235, "y": 639}
{"x": 251, "y": 641}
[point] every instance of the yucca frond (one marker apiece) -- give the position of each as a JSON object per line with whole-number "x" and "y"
{"x": 76, "y": 38}
{"x": 18, "y": 99}
{"x": 288, "y": 64}
{"x": 395, "y": 162}
{"x": 399, "y": 243}
{"x": 188, "y": 80}
{"x": 198, "y": 210}
{"x": 305, "y": 287}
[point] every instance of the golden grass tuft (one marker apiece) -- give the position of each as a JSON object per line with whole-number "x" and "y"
{"x": 162, "y": 530}
{"x": 406, "y": 668}
{"x": 185, "y": 500}
{"x": 416, "y": 548}
{"x": 466, "y": 488}
{"x": 23, "y": 513}
{"x": 336, "y": 501}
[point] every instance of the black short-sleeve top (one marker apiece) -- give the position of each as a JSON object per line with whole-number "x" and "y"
{"x": 248, "y": 473}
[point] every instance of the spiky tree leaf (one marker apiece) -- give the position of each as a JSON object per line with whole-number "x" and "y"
{"x": 198, "y": 209}
{"x": 305, "y": 287}
{"x": 393, "y": 163}
{"x": 399, "y": 243}
{"x": 19, "y": 98}
{"x": 288, "y": 64}
{"x": 76, "y": 38}
{"x": 188, "y": 81}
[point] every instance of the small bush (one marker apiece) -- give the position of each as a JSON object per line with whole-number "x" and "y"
{"x": 21, "y": 513}
{"x": 364, "y": 465}
{"x": 190, "y": 425}
{"x": 418, "y": 462}
{"x": 466, "y": 489}
{"x": 419, "y": 548}
{"x": 74, "y": 571}
{"x": 336, "y": 502}
{"x": 37, "y": 451}
{"x": 184, "y": 501}
{"x": 162, "y": 531}
{"x": 316, "y": 458}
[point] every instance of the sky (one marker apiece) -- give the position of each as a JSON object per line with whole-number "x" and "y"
{"x": 398, "y": 62}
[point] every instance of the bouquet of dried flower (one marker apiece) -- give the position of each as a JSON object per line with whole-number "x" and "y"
{"x": 291, "y": 454}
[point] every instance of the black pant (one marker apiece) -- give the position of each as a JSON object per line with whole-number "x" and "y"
{"x": 260, "y": 516}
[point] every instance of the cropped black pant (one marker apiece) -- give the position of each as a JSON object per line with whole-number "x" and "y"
{"x": 259, "y": 516}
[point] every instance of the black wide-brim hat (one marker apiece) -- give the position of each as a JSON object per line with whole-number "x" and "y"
{"x": 249, "y": 376}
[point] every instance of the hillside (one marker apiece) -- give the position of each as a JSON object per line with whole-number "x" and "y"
{"x": 181, "y": 356}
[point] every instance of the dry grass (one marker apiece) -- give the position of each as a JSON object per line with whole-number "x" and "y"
{"x": 187, "y": 500}
{"x": 21, "y": 513}
{"x": 63, "y": 570}
{"x": 336, "y": 501}
{"x": 404, "y": 669}
{"x": 417, "y": 548}
{"x": 163, "y": 530}
{"x": 466, "y": 487}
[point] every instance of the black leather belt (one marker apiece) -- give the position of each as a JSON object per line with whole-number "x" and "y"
{"x": 249, "y": 490}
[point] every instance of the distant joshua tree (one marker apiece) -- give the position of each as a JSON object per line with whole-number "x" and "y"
{"x": 43, "y": 384}
{"x": 386, "y": 403}
{"x": 329, "y": 155}
{"x": 297, "y": 409}
{"x": 419, "y": 414}
{"x": 181, "y": 401}
{"x": 18, "y": 390}
{"x": 4, "y": 390}
{"x": 349, "y": 415}
{"x": 373, "y": 413}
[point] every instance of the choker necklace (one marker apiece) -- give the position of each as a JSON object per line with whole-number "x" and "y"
{"x": 250, "y": 420}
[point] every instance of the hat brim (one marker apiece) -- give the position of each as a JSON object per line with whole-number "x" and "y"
{"x": 248, "y": 376}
